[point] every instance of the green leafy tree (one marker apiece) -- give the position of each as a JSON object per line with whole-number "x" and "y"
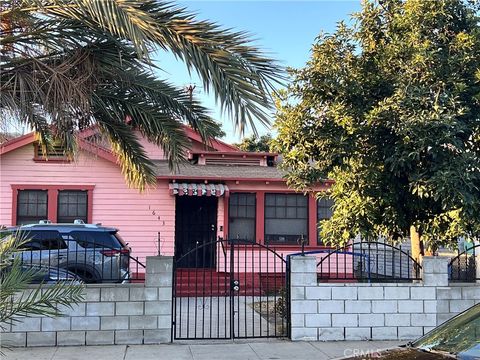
{"x": 389, "y": 108}
{"x": 16, "y": 300}
{"x": 71, "y": 64}
{"x": 255, "y": 143}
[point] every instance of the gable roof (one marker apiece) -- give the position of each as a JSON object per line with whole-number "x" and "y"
{"x": 30, "y": 138}
{"x": 185, "y": 170}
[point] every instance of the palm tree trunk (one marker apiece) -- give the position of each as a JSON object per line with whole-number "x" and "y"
{"x": 415, "y": 243}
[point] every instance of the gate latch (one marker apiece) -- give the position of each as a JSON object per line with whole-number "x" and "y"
{"x": 235, "y": 285}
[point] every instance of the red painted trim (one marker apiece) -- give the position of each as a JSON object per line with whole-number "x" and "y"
{"x": 215, "y": 143}
{"x": 51, "y": 187}
{"x": 16, "y": 143}
{"x": 14, "y": 206}
{"x": 90, "y": 205}
{"x": 260, "y": 217}
{"x": 52, "y": 202}
{"x": 83, "y": 144}
{"x": 97, "y": 150}
{"x": 229, "y": 178}
{"x": 235, "y": 153}
{"x": 226, "y": 204}
{"x": 52, "y": 199}
{"x": 312, "y": 220}
{"x": 215, "y": 178}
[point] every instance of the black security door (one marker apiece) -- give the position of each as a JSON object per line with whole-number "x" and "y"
{"x": 195, "y": 225}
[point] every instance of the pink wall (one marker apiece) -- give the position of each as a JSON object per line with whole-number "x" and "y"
{"x": 155, "y": 152}
{"x": 138, "y": 216}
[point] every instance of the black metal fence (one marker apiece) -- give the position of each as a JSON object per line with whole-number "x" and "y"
{"x": 230, "y": 289}
{"x": 362, "y": 261}
{"x": 463, "y": 267}
{"x": 91, "y": 263}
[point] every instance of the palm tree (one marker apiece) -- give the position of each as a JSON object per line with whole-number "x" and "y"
{"x": 72, "y": 64}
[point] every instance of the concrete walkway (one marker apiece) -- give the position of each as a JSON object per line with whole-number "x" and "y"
{"x": 238, "y": 350}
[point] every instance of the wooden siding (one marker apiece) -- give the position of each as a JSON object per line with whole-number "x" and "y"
{"x": 139, "y": 216}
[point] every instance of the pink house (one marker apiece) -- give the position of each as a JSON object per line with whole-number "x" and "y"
{"x": 220, "y": 192}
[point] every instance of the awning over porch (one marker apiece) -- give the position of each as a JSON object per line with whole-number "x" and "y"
{"x": 192, "y": 189}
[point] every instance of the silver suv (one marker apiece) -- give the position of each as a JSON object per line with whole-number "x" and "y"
{"x": 92, "y": 252}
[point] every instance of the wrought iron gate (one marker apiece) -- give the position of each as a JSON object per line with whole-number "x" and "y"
{"x": 237, "y": 289}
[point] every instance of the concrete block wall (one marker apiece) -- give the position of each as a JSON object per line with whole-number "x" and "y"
{"x": 110, "y": 314}
{"x": 377, "y": 311}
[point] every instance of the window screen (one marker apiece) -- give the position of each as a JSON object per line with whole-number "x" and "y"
{"x": 31, "y": 206}
{"x": 324, "y": 211}
{"x": 72, "y": 205}
{"x": 286, "y": 218}
{"x": 241, "y": 216}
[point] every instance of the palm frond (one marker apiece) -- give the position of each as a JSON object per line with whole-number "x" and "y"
{"x": 70, "y": 64}
{"x": 16, "y": 299}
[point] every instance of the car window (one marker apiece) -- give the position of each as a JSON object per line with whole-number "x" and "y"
{"x": 43, "y": 240}
{"x": 5, "y": 233}
{"x": 460, "y": 334}
{"x": 91, "y": 239}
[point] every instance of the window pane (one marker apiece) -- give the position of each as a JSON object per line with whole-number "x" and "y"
{"x": 90, "y": 239}
{"x": 279, "y": 212}
{"x": 270, "y": 212}
{"x": 292, "y": 201}
{"x": 251, "y": 212}
{"x": 270, "y": 199}
{"x": 31, "y": 206}
{"x": 72, "y": 205}
{"x": 44, "y": 240}
{"x": 281, "y": 200}
{"x": 302, "y": 200}
{"x": 242, "y": 212}
{"x": 287, "y": 220}
{"x": 291, "y": 212}
{"x": 302, "y": 213}
{"x": 241, "y": 217}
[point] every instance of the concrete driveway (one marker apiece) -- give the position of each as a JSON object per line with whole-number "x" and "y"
{"x": 238, "y": 350}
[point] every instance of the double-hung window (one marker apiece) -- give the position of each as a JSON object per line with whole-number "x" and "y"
{"x": 72, "y": 205}
{"x": 241, "y": 216}
{"x": 286, "y": 218}
{"x": 32, "y": 206}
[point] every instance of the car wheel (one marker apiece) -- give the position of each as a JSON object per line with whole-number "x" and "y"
{"x": 86, "y": 276}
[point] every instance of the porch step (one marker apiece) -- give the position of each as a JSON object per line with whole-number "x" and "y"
{"x": 207, "y": 282}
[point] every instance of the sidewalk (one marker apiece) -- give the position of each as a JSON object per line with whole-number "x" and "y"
{"x": 238, "y": 350}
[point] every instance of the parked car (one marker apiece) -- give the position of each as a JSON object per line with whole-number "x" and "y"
{"x": 47, "y": 275}
{"x": 92, "y": 252}
{"x": 457, "y": 338}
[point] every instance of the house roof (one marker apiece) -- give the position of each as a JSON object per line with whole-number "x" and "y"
{"x": 185, "y": 170}
{"x": 219, "y": 172}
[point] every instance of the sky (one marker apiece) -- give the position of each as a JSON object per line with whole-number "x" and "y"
{"x": 285, "y": 29}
